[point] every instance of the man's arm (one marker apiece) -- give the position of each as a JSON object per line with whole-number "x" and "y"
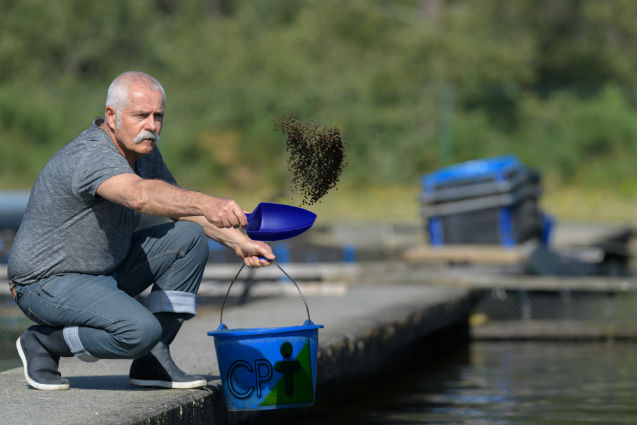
{"x": 161, "y": 199}
{"x": 252, "y": 252}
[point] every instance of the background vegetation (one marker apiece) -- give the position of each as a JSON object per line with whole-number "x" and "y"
{"x": 412, "y": 84}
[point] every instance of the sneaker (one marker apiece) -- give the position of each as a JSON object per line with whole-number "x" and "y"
{"x": 40, "y": 366}
{"x": 150, "y": 371}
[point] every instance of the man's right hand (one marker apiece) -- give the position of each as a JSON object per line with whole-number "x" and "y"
{"x": 224, "y": 213}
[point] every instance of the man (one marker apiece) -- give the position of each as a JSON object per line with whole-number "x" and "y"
{"x": 77, "y": 260}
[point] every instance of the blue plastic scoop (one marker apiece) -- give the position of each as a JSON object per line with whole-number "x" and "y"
{"x": 274, "y": 222}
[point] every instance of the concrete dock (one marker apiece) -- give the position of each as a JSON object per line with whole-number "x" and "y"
{"x": 363, "y": 325}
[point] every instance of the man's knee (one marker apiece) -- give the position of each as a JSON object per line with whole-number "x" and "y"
{"x": 140, "y": 336}
{"x": 194, "y": 239}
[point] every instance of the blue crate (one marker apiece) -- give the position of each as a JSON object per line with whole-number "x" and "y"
{"x": 484, "y": 201}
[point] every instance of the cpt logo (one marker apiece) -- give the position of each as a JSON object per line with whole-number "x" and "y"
{"x": 291, "y": 378}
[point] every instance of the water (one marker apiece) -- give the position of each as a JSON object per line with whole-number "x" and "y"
{"x": 493, "y": 383}
{"x": 520, "y": 383}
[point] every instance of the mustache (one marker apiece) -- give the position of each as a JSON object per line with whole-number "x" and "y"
{"x": 144, "y": 134}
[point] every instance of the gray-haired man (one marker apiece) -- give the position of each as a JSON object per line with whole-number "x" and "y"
{"x": 78, "y": 260}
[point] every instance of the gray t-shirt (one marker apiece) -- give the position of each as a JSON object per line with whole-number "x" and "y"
{"x": 67, "y": 228}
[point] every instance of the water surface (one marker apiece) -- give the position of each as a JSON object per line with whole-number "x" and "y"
{"x": 493, "y": 383}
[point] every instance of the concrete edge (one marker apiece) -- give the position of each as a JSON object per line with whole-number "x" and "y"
{"x": 202, "y": 407}
{"x": 363, "y": 349}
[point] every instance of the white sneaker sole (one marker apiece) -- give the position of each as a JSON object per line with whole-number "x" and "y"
{"x": 37, "y": 385}
{"x": 166, "y": 384}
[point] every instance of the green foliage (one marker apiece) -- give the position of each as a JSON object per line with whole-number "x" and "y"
{"x": 589, "y": 140}
{"x": 550, "y": 81}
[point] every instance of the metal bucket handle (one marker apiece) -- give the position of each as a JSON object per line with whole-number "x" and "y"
{"x": 284, "y": 272}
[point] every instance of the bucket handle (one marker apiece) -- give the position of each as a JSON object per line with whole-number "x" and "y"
{"x": 284, "y": 272}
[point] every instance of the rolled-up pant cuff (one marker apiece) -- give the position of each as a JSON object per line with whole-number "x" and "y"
{"x": 171, "y": 302}
{"x": 72, "y": 338}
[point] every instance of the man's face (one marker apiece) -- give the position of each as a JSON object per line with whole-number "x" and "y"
{"x": 137, "y": 127}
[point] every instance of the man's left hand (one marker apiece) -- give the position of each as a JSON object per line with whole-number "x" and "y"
{"x": 255, "y": 253}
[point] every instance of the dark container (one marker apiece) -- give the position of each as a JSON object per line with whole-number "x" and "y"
{"x": 484, "y": 201}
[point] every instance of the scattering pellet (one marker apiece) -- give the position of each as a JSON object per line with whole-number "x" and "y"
{"x": 316, "y": 157}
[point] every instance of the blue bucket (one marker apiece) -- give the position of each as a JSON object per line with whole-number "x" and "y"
{"x": 267, "y": 368}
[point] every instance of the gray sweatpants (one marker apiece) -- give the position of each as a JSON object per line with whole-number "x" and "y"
{"x": 101, "y": 317}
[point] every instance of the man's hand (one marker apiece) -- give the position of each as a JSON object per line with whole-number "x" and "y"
{"x": 254, "y": 253}
{"x": 224, "y": 213}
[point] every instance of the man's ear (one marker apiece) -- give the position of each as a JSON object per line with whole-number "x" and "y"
{"x": 111, "y": 117}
